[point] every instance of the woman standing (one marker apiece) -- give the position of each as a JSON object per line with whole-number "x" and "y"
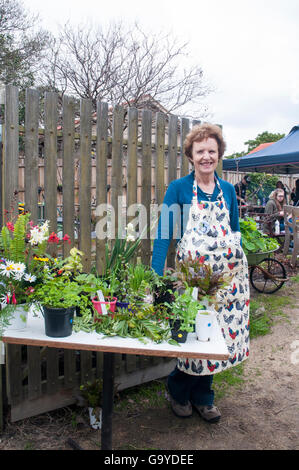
{"x": 205, "y": 209}
{"x": 274, "y": 211}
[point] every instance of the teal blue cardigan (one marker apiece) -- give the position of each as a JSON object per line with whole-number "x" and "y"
{"x": 175, "y": 212}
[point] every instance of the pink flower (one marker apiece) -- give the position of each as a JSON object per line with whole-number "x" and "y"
{"x": 10, "y": 226}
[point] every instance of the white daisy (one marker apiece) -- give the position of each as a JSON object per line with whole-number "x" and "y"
{"x": 7, "y": 269}
{"x": 30, "y": 277}
{"x": 19, "y": 267}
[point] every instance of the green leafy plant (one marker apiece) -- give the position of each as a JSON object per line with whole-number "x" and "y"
{"x": 121, "y": 252}
{"x": 185, "y": 308}
{"x": 59, "y": 292}
{"x": 92, "y": 392}
{"x": 253, "y": 240}
{"x": 140, "y": 322}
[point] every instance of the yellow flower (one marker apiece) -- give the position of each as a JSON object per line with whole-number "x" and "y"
{"x": 41, "y": 259}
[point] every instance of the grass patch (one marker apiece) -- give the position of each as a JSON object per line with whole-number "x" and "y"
{"x": 227, "y": 379}
{"x": 149, "y": 395}
{"x": 264, "y": 310}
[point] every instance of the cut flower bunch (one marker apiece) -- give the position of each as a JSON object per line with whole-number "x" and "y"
{"x": 23, "y": 258}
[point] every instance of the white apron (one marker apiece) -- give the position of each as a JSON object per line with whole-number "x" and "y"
{"x": 208, "y": 235}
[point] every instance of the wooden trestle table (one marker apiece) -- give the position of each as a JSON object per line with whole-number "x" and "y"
{"x": 34, "y": 335}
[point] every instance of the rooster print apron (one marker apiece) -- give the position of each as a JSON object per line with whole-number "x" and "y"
{"x": 208, "y": 236}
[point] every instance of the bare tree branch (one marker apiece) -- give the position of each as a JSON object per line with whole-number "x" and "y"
{"x": 123, "y": 65}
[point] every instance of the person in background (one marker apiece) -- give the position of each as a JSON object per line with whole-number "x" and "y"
{"x": 274, "y": 211}
{"x": 280, "y": 185}
{"x": 295, "y": 194}
{"x": 207, "y": 214}
{"x": 241, "y": 188}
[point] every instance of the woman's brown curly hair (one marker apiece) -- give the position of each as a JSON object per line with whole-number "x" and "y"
{"x": 201, "y": 132}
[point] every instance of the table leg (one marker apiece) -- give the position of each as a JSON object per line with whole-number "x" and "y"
{"x": 108, "y": 393}
{"x": 1, "y": 400}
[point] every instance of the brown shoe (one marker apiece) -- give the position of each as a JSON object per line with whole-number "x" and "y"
{"x": 211, "y": 414}
{"x": 182, "y": 411}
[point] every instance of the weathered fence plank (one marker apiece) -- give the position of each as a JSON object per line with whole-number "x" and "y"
{"x": 68, "y": 171}
{"x": 160, "y": 158}
{"x": 69, "y": 368}
{"x": 132, "y": 160}
{"x": 31, "y": 153}
{"x": 50, "y": 168}
{"x": 146, "y": 182}
{"x": 116, "y": 174}
{"x": 34, "y": 372}
{"x": 101, "y": 178}
{"x": 52, "y": 356}
{"x": 14, "y": 374}
{"x": 184, "y": 160}
{"x": 85, "y": 183}
{"x": 11, "y": 151}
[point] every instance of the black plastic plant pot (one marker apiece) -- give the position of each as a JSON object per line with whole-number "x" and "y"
{"x": 58, "y": 321}
{"x": 178, "y": 335}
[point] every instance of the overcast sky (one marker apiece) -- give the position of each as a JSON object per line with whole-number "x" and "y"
{"x": 248, "y": 49}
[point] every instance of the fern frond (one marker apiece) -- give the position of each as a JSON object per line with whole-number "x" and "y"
{"x": 5, "y": 242}
{"x": 18, "y": 244}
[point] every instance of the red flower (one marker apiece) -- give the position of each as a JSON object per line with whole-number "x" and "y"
{"x": 10, "y": 226}
{"x": 66, "y": 238}
{"x": 13, "y": 299}
{"x": 53, "y": 238}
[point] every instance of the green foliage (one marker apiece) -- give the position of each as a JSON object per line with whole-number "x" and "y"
{"x": 21, "y": 44}
{"x": 253, "y": 240}
{"x": 72, "y": 264}
{"x": 185, "y": 308}
{"x": 119, "y": 255}
{"x": 13, "y": 243}
{"x": 262, "y": 138}
{"x": 261, "y": 185}
{"x": 92, "y": 392}
{"x": 57, "y": 292}
{"x": 141, "y": 322}
{"x": 263, "y": 311}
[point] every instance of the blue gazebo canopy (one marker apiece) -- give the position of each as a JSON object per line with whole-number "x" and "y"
{"x": 282, "y": 157}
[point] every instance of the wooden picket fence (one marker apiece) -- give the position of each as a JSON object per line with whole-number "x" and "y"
{"x": 139, "y": 150}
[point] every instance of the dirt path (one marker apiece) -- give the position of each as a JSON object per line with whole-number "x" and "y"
{"x": 261, "y": 414}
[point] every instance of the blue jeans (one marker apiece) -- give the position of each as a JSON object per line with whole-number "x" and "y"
{"x": 194, "y": 388}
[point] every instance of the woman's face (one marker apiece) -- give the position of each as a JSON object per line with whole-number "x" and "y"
{"x": 205, "y": 156}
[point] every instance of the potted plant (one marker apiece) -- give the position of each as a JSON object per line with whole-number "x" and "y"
{"x": 58, "y": 295}
{"x": 92, "y": 393}
{"x": 23, "y": 260}
{"x": 94, "y": 286}
{"x": 184, "y": 309}
{"x": 58, "y": 298}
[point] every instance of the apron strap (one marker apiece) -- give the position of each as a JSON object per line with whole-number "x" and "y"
{"x": 219, "y": 197}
